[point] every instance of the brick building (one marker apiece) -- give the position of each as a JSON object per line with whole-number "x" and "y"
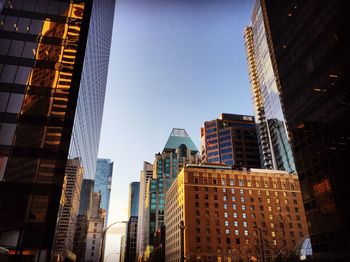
{"x": 230, "y": 214}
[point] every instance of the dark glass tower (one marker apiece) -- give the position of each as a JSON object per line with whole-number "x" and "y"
{"x": 230, "y": 140}
{"x": 310, "y": 44}
{"x": 42, "y": 46}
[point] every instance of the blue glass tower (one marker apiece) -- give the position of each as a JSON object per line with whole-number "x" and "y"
{"x": 134, "y": 194}
{"x": 103, "y": 181}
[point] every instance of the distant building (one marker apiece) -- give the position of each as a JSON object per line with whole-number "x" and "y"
{"x": 179, "y": 150}
{"x": 158, "y": 253}
{"x": 134, "y": 195}
{"x": 274, "y": 145}
{"x": 232, "y": 140}
{"x": 103, "y": 182}
{"x": 95, "y": 226}
{"x": 122, "y": 248}
{"x": 146, "y": 174}
{"x": 68, "y": 215}
{"x": 310, "y": 43}
{"x": 214, "y": 213}
{"x": 131, "y": 240}
{"x": 85, "y": 209}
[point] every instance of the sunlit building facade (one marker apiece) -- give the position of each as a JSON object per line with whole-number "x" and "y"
{"x": 42, "y": 49}
{"x": 231, "y": 139}
{"x": 274, "y": 145}
{"x": 310, "y": 42}
{"x": 146, "y": 174}
{"x": 63, "y": 248}
{"x": 215, "y": 213}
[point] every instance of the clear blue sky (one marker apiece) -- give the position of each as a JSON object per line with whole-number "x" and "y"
{"x": 173, "y": 63}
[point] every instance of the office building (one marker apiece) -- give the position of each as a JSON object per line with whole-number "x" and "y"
{"x": 215, "y": 213}
{"x": 85, "y": 209}
{"x": 95, "y": 225}
{"x": 230, "y": 140}
{"x": 274, "y": 145}
{"x": 146, "y": 174}
{"x": 103, "y": 182}
{"x": 42, "y": 49}
{"x": 88, "y": 118}
{"x": 310, "y": 45}
{"x": 68, "y": 215}
{"x": 134, "y": 195}
{"x": 131, "y": 239}
{"x": 179, "y": 150}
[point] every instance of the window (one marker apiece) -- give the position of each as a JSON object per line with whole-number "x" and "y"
{"x": 242, "y": 199}
{"x": 226, "y": 215}
{"x": 233, "y": 198}
{"x": 198, "y": 231}
{"x": 235, "y": 223}
{"x": 92, "y": 254}
{"x": 245, "y": 224}
{"x": 243, "y": 207}
{"x": 228, "y": 241}
{"x": 235, "y": 215}
{"x": 226, "y": 223}
{"x": 241, "y": 191}
{"x": 244, "y": 215}
{"x": 225, "y": 198}
{"x": 225, "y": 206}
{"x": 246, "y": 233}
{"x": 227, "y": 231}
{"x": 236, "y": 232}
{"x": 232, "y": 190}
{"x": 234, "y": 206}
{"x": 198, "y": 240}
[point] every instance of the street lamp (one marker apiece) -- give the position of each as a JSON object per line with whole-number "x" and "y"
{"x": 104, "y": 233}
{"x": 262, "y": 244}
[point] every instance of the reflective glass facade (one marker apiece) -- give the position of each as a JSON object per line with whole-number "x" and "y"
{"x": 274, "y": 143}
{"x": 103, "y": 181}
{"x": 230, "y": 140}
{"x": 311, "y": 52}
{"x": 42, "y": 46}
{"x": 134, "y": 194}
{"x": 88, "y": 117}
{"x": 178, "y": 151}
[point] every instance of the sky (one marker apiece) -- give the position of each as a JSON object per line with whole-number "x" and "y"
{"x": 173, "y": 63}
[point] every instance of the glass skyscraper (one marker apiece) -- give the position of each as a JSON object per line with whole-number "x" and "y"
{"x": 230, "y": 140}
{"x": 310, "y": 41}
{"x": 42, "y": 47}
{"x": 134, "y": 195}
{"x": 274, "y": 145}
{"x": 51, "y": 100}
{"x": 103, "y": 181}
{"x": 88, "y": 117}
{"x": 179, "y": 150}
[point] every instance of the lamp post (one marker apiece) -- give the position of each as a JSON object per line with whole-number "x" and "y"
{"x": 104, "y": 234}
{"x": 262, "y": 244}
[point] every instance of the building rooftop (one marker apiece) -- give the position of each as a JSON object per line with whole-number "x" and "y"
{"x": 178, "y": 137}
